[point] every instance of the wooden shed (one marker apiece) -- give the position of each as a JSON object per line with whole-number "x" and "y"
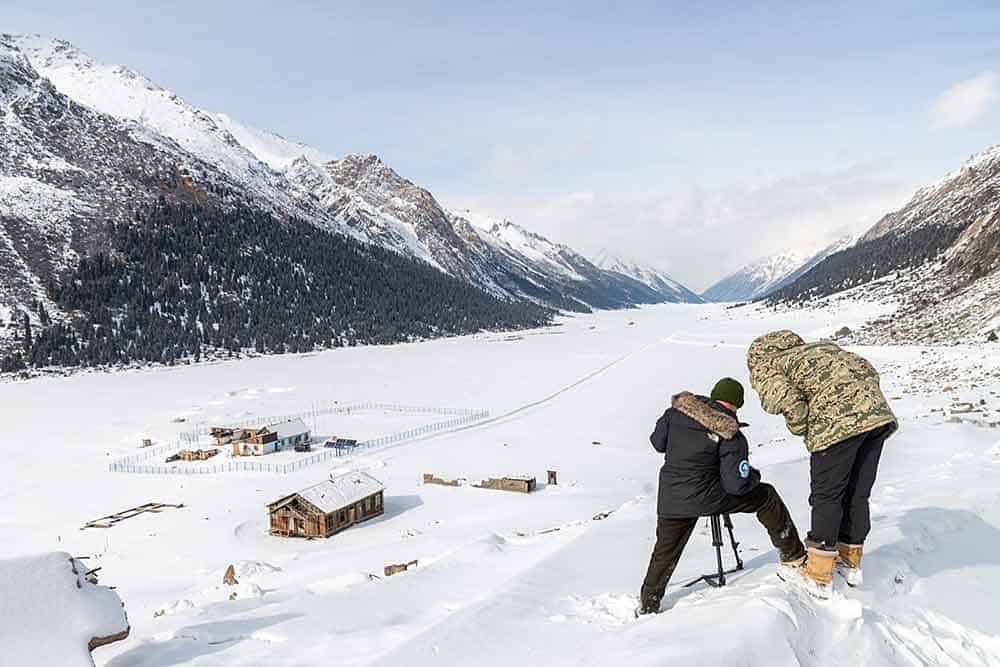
{"x": 518, "y": 483}
{"x": 329, "y": 507}
{"x": 192, "y": 455}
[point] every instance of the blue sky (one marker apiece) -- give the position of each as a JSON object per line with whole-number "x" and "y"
{"x": 692, "y": 137}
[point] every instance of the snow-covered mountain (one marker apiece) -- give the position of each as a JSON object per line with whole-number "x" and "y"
{"x": 757, "y": 278}
{"x": 671, "y": 289}
{"x": 760, "y": 278}
{"x": 84, "y": 143}
{"x": 367, "y": 196}
{"x": 936, "y": 260}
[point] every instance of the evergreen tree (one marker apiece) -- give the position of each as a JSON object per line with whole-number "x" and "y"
{"x": 28, "y": 342}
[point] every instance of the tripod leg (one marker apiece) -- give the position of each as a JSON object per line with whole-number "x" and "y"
{"x": 732, "y": 541}
{"x": 717, "y": 543}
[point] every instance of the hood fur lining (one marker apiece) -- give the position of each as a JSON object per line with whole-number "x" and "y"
{"x": 718, "y": 422}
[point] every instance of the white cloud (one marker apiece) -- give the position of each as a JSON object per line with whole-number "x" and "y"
{"x": 700, "y": 235}
{"x": 966, "y": 102}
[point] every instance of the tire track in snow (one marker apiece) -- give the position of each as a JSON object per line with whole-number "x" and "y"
{"x": 493, "y": 421}
{"x": 556, "y": 394}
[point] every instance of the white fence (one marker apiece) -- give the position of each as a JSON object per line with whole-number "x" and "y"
{"x": 192, "y": 437}
{"x": 136, "y": 462}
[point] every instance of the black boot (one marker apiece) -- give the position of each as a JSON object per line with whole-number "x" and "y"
{"x": 647, "y": 605}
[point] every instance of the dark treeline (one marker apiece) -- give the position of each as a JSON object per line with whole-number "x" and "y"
{"x": 180, "y": 281}
{"x": 868, "y": 261}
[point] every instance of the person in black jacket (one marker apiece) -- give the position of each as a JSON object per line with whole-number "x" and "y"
{"x": 707, "y": 471}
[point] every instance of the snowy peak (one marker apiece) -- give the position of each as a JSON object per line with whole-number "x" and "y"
{"x": 653, "y": 278}
{"x": 521, "y": 239}
{"x": 768, "y": 274}
{"x": 159, "y": 114}
{"x": 369, "y": 171}
{"x": 51, "y": 52}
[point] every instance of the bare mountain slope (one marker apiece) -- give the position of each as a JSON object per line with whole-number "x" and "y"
{"x": 937, "y": 258}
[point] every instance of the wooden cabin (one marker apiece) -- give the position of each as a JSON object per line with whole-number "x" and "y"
{"x": 272, "y": 438}
{"x": 327, "y": 508}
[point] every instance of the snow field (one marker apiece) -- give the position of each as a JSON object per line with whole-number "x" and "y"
{"x": 495, "y": 580}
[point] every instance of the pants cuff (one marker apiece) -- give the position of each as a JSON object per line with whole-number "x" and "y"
{"x": 819, "y": 546}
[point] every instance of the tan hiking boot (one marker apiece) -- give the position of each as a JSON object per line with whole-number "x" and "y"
{"x": 849, "y": 563}
{"x": 819, "y": 566}
{"x": 814, "y": 574}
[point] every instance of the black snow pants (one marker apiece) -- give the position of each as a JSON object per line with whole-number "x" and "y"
{"x": 672, "y": 535}
{"x": 842, "y": 477}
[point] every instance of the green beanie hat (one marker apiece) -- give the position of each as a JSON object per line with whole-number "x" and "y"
{"x": 728, "y": 390}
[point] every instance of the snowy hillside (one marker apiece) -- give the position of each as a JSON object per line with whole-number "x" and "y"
{"x": 272, "y": 148}
{"x": 359, "y": 195}
{"x": 501, "y": 578}
{"x": 159, "y": 114}
{"x": 85, "y": 145}
{"x": 671, "y": 289}
{"x": 950, "y": 202}
{"x": 936, "y": 260}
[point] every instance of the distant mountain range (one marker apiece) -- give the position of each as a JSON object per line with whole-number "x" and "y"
{"x": 653, "y": 278}
{"x": 764, "y": 276}
{"x": 84, "y": 146}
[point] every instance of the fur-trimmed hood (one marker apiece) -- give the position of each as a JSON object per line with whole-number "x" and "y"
{"x": 716, "y": 421}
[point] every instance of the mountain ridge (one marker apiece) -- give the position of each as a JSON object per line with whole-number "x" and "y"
{"x": 358, "y": 195}
{"x": 936, "y": 259}
{"x": 84, "y": 145}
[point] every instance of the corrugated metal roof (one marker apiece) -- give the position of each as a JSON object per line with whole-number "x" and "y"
{"x": 341, "y": 491}
{"x": 288, "y": 428}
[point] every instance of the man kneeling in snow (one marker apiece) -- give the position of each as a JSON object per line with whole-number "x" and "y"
{"x": 707, "y": 472}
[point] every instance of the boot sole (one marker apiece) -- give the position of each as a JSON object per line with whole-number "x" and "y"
{"x": 844, "y": 573}
{"x": 797, "y": 581}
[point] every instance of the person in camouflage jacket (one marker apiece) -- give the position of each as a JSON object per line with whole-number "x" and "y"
{"x": 832, "y": 398}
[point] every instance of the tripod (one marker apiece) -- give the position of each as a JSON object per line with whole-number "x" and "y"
{"x": 718, "y": 578}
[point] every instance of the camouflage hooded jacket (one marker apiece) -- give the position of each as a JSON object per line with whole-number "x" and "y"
{"x": 825, "y": 393}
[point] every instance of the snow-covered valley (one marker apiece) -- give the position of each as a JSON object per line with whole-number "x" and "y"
{"x": 505, "y": 576}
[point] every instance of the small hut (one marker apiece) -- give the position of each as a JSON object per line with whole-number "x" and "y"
{"x": 329, "y": 507}
{"x": 517, "y": 483}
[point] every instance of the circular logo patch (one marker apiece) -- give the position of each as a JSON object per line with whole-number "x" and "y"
{"x": 744, "y": 468}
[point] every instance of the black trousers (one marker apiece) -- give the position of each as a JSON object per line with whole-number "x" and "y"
{"x": 842, "y": 477}
{"x": 672, "y": 535}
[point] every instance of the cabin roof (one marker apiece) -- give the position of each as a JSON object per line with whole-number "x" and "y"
{"x": 338, "y": 492}
{"x": 519, "y": 478}
{"x": 288, "y": 428}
